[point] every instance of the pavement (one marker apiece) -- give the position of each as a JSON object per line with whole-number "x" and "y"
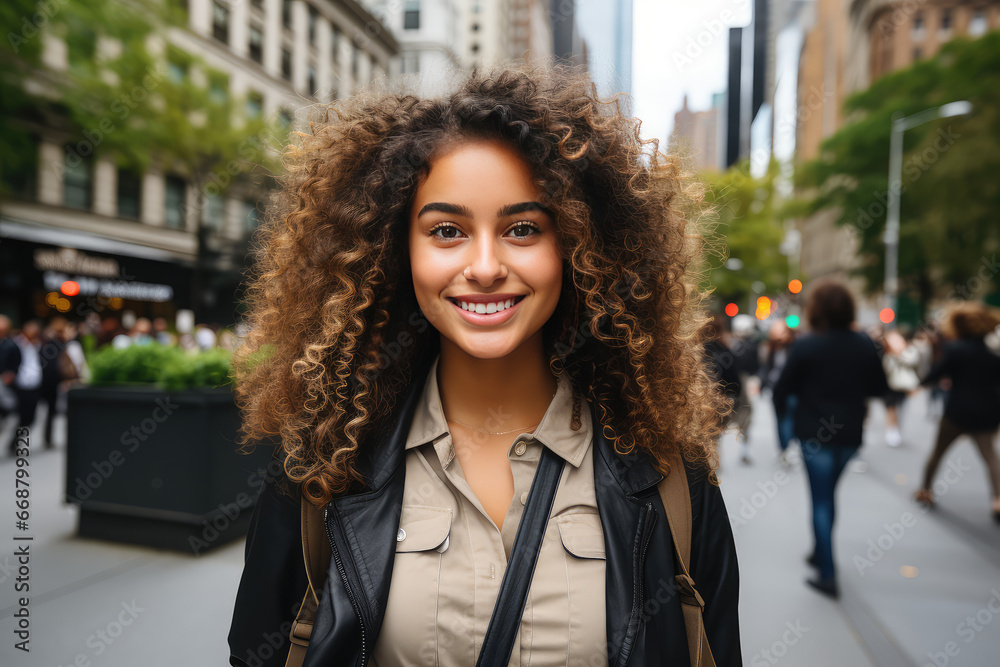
{"x": 918, "y": 587}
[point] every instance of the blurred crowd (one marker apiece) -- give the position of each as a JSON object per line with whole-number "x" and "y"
{"x": 40, "y": 361}
{"x": 820, "y": 383}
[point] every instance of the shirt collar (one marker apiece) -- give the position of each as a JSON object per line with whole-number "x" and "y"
{"x": 554, "y": 431}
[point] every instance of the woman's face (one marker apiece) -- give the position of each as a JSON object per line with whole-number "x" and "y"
{"x": 483, "y": 250}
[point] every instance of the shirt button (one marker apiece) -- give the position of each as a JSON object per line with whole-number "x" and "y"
{"x": 524, "y": 497}
{"x": 520, "y": 447}
{"x": 401, "y": 535}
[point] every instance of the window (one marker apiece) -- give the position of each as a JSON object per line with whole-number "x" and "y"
{"x": 918, "y": 53}
{"x": 220, "y": 23}
{"x": 977, "y": 24}
{"x": 176, "y": 203}
{"x": 78, "y": 180}
{"x": 355, "y": 57}
{"x": 256, "y": 43}
{"x": 475, "y": 47}
{"x": 218, "y": 89}
{"x": 255, "y": 104}
{"x": 945, "y": 25}
{"x": 213, "y": 212}
{"x": 286, "y": 13}
{"x": 312, "y": 80}
{"x": 918, "y": 26}
{"x": 313, "y": 18}
{"x": 21, "y": 177}
{"x": 285, "y": 119}
{"x": 251, "y": 215}
{"x": 336, "y": 43}
{"x": 129, "y": 193}
{"x": 411, "y": 15}
{"x": 477, "y": 7}
{"x": 257, "y": 4}
{"x": 475, "y": 27}
{"x": 286, "y": 64}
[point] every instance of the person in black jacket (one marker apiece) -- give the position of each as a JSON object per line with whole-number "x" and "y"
{"x": 973, "y": 404}
{"x": 517, "y": 236}
{"x": 832, "y": 372}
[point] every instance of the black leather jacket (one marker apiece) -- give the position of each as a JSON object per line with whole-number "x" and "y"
{"x": 645, "y": 625}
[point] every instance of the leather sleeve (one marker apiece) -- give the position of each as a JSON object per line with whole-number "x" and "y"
{"x": 715, "y": 569}
{"x": 274, "y": 579}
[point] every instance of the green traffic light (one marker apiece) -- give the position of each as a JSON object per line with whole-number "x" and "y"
{"x": 792, "y": 321}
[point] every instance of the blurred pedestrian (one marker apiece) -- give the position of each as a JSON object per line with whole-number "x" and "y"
{"x": 8, "y": 400}
{"x": 53, "y": 366}
{"x": 27, "y": 365}
{"x": 721, "y": 364}
{"x": 831, "y": 371}
{"x": 973, "y": 404}
{"x": 779, "y": 343}
{"x": 746, "y": 351}
{"x": 899, "y": 360}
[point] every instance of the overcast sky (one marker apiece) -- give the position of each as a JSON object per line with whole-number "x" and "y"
{"x": 679, "y": 46}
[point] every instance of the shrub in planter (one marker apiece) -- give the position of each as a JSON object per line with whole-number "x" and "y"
{"x": 152, "y": 456}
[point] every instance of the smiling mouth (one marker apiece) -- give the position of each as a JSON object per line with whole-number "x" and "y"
{"x": 487, "y": 308}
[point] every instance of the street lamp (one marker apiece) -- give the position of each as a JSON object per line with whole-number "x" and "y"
{"x": 891, "y": 238}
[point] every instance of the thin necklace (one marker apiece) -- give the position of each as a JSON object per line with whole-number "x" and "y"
{"x": 473, "y": 428}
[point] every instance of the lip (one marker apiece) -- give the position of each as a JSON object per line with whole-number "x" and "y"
{"x": 487, "y": 319}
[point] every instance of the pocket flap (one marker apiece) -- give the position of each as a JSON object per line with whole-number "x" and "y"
{"x": 423, "y": 528}
{"x": 582, "y": 535}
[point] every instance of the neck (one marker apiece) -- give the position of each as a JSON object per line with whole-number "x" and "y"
{"x": 495, "y": 395}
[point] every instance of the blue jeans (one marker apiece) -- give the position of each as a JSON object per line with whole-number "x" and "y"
{"x": 786, "y": 423}
{"x": 824, "y": 463}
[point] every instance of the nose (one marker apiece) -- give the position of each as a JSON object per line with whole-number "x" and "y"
{"x": 486, "y": 265}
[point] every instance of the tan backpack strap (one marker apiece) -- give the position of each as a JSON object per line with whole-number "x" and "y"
{"x": 676, "y": 498}
{"x": 316, "y": 555}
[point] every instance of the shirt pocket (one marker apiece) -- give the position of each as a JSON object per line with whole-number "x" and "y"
{"x": 423, "y": 528}
{"x": 581, "y": 535}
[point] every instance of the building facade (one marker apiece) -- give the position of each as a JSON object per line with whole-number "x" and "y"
{"x": 277, "y": 55}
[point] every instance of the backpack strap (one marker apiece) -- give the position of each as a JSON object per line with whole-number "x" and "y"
{"x": 316, "y": 555}
{"x": 676, "y": 496}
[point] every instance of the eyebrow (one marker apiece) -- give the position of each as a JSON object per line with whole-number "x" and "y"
{"x": 504, "y": 212}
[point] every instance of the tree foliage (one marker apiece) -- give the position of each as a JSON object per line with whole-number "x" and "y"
{"x": 950, "y": 202}
{"x": 749, "y": 230}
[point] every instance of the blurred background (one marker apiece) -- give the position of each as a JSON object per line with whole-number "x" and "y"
{"x": 854, "y": 140}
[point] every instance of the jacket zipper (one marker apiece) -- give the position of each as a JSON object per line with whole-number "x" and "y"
{"x": 647, "y": 518}
{"x": 347, "y": 585}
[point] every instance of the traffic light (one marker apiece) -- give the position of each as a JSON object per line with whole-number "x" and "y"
{"x": 732, "y": 310}
{"x": 792, "y": 321}
{"x": 795, "y": 286}
{"x": 886, "y": 315}
{"x": 763, "y": 308}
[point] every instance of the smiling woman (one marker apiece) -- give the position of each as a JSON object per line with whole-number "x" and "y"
{"x": 528, "y": 256}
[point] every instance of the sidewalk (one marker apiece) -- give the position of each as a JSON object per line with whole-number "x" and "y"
{"x": 909, "y": 578}
{"x": 104, "y": 604}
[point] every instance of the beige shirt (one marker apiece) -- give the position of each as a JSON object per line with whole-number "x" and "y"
{"x": 450, "y": 556}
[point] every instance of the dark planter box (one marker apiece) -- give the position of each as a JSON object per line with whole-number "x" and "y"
{"x": 160, "y": 468}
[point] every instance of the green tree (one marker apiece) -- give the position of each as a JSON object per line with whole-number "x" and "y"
{"x": 950, "y": 201}
{"x": 749, "y": 230}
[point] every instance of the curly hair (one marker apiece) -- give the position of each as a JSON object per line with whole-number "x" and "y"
{"x": 335, "y": 331}
{"x": 970, "y": 319}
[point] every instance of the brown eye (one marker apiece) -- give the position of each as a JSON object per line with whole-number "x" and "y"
{"x": 526, "y": 230}
{"x": 445, "y": 228}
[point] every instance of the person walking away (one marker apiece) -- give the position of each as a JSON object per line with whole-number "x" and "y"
{"x": 779, "y": 343}
{"x": 721, "y": 364}
{"x": 27, "y": 383}
{"x": 832, "y": 372}
{"x": 973, "y": 405}
{"x": 746, "y": 351}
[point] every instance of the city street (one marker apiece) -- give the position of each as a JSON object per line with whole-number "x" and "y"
{"x": 919, "y": 588}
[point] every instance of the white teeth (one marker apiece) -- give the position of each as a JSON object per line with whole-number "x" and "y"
{"x": 486, "y": 308}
